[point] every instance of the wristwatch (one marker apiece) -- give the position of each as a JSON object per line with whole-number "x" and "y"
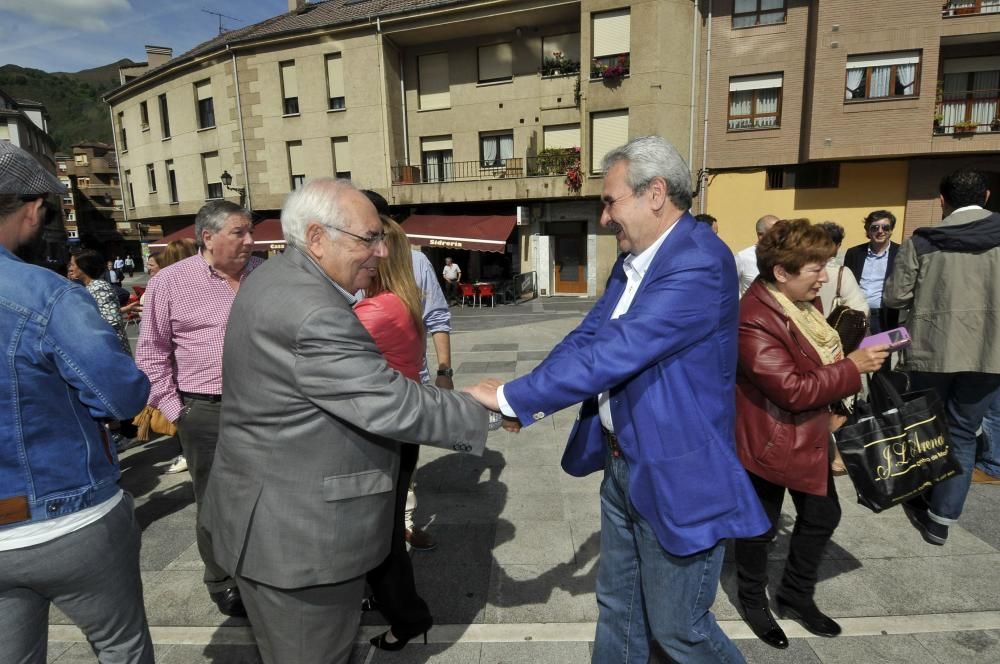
{"x": 449, "y": 372}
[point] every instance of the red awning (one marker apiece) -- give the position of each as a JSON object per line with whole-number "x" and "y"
{"x": 266, "y": 235}
{"x": 469, "y": 232}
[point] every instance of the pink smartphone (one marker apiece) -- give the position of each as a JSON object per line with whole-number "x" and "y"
{"x": 896, "y": 339}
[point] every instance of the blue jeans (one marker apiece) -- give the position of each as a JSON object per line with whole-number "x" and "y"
{"x": 645, "y": 593}
{"x": 988, "y": 455}
{"x": 967, "y": 396}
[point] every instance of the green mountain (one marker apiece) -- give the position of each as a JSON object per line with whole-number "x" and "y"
{"x": 73, "y": 100}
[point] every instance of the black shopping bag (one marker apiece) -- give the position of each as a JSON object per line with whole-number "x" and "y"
{"x": 896, "y": 446}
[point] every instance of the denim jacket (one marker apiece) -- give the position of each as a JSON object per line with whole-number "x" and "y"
{"x": 63, "y": 373}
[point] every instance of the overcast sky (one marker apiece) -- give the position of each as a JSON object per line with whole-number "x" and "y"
{"x": 70, "y": 35}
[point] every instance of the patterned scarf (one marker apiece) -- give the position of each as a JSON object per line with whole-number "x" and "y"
{"x": 812, "y": 324}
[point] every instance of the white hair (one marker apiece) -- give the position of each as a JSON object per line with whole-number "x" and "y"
{"x": 317, "y": 200}
{"x": 648, "y": 157}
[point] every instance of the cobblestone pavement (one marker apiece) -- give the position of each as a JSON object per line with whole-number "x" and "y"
{"x": 513, "y": 576}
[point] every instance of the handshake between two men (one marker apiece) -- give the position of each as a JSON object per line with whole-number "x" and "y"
{"x": 485, "y": 392}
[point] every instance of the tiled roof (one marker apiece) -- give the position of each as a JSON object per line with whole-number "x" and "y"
{"x": 327, "y": 13}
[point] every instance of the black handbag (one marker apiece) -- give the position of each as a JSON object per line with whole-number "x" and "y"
{"x": 850, "y": 324}
{"x": 896, "y": 446}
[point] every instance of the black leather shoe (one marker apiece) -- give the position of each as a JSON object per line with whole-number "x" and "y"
{"x": 764, "y": 626}
{"x": 808, "y": 616}
{"x": 229, "y": 602}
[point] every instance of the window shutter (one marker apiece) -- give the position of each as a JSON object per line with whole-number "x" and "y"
{"x": 495, "y": 62}
{"x": 341, "y": 155}
{"x": 762, "y": 82}
{"x": 568, "y": 45}
{"x": 883, "y": 60}
{"x": 335, "y": 74}
{"x": 561, "y": 136}
{"x": 296, "y": 162}
{"x": 434, "y": 82}
{"x": 965, "y": 65}
{"x": 213, "y": 167}
{"x": 608, "y": 131}
{"x": 434, "y": 143}
{"x": 203, "y": 90}
{"x": 611, "y": 33}
{"x": 289, "y": 84}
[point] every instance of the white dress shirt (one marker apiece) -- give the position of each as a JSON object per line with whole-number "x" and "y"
{"x": 746, "y": 267}
{"x": 635, "y": 267}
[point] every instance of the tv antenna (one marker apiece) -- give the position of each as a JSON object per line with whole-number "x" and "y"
{"x": 221, "y": 16}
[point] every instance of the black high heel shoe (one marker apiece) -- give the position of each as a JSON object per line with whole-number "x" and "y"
{"x": 381, "y": 643}
{"x": 809, "y": 616}
{"x": 369, "y": 604}
{"x": 763, "y": 625}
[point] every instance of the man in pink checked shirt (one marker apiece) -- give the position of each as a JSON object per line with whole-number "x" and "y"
{"x": 185, "y": 312}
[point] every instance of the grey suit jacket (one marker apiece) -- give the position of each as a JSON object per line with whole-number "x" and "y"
{"x": 302, "y": 486}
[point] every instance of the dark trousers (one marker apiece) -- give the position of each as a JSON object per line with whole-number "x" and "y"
{"x": 198, "y": 432}
{"x": 815, "y": 520}
{"x": 392, "y": 582}
{"x": 450, "y": 290}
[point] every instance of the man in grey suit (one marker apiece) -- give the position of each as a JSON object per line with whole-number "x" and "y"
{"x": 300, "y": 499}
{"x": 948, "y": 278}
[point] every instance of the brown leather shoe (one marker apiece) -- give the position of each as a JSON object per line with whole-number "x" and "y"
{"x": 981, "y": 477}
{"x": 419, "y": 540}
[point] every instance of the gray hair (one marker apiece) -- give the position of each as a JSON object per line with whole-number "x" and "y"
{"x": 318, "y": 200}
{"x": 649, "y": 157}
{"x": 212, "y": 217}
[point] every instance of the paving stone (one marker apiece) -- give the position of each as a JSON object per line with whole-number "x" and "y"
{"x": 757, "y": 652}
{"x": 525, "y": 355}
{"x": 211, "y": 653}
{"x": 886, "y": 649}
{"x": 81, "y": 653}
{"x": 563, "y": 592}
{"x": 55, "y": 649}
{"x": 432, "y": 653}
{"x": 536, "y": 544}
{"x": 534, "y": 653}
{"x": 974, "y": 647}
{"x": 467, "y": 367}
{"x": 180, "y": 598}
{"x": 457, "y": 594}
{"x": 494, "y": 347}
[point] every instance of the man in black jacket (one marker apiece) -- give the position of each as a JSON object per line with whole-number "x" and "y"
{"x": 872, "y": 263}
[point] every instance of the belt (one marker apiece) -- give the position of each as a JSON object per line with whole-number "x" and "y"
{"x": 612, "y": 440}
{"x": 213, "y": 398}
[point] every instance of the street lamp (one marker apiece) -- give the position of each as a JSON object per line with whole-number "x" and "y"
{"x": 227, "y": 180}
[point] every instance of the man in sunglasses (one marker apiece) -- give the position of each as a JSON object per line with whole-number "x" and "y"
{"x": 68, "y": 533}
{"x": 301, "y": 497}
{"x": 871, "y": 263}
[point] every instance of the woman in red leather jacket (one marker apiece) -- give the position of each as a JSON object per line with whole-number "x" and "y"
{"x": 791, "y": 371}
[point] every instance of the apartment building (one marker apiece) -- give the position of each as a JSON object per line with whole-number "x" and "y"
{"x": 832, "y": 109}
{"x": 486, "y": 120}
{"x": 25, "y": 123}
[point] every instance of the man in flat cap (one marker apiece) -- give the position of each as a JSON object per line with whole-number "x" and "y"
{"x": 68, "y": 534}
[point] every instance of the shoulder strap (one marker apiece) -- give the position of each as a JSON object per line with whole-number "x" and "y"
{"x": 840, "y": 280}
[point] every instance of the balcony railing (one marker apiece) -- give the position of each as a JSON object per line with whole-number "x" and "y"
{"x": 553, "y": 163}
{"x": 968, "y": 112}
{"x": 970, "y": 7}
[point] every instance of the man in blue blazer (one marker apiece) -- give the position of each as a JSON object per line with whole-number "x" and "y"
{"x": 654, "y": 364}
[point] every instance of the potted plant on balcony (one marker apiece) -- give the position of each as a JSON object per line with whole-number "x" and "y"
{"x": 574, "y": 174}
{"x": 559, "y": 65}
{"x": 613, "y": 72}
{"x": 965, "y": 127}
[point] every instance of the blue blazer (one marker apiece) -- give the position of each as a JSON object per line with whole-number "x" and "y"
{"x": 670, "y": 366}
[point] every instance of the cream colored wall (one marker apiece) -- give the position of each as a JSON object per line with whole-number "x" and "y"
{"x": 739, "y": 199}
{"x": 186, "y": 143}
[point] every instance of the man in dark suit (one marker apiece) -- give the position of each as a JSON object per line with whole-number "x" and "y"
{"x": 301, "y": 494}
{"x": 871, "y": 263}
{"x": 654, "y": 364}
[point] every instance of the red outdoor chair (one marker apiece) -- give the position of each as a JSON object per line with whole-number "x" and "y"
{"x": 486, "y": 290}
{"x": 467, "y": 290}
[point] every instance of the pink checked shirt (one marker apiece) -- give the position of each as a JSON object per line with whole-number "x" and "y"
{"x": 184, "y": 318}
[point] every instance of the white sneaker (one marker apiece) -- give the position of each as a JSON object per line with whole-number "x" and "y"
{"x": 179, "y": 465}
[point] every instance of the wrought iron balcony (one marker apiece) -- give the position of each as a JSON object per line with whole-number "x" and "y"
{"x": 968, "y": 112}
{"x": 550, "y": 163}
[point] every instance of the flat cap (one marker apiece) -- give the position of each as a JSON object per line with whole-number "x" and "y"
{"x": 22, "y": 175}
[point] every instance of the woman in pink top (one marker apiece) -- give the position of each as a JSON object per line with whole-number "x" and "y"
{"x": 392, "y": 312}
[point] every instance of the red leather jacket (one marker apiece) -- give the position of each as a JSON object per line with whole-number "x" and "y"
{"x": 783, "y": 394}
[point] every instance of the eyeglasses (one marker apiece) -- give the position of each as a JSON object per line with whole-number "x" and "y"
{"x": 879, "y": 228}
{"x": 610, "y": 202}
{"x": 368, "y": 240}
